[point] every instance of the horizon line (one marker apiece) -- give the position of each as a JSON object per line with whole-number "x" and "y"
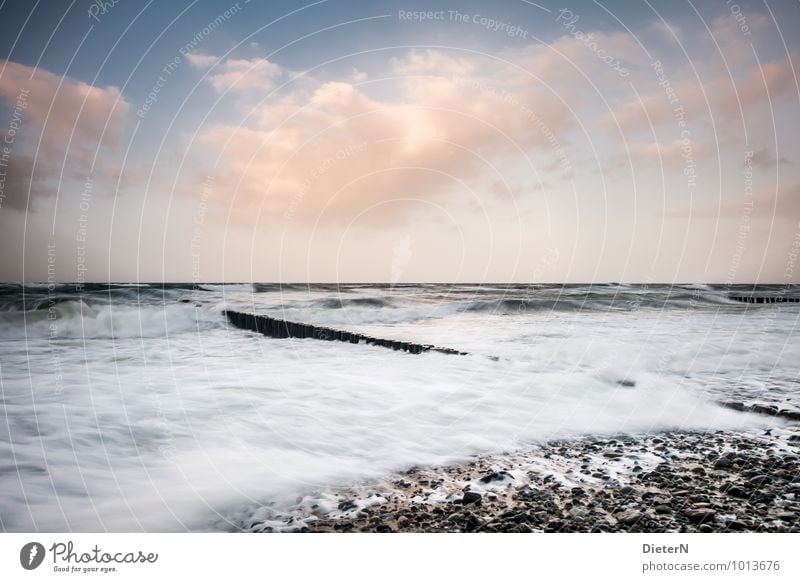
{"x": 195, "y": 283}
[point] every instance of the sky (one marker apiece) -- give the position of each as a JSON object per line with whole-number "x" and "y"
{"x": 392, "y": 141}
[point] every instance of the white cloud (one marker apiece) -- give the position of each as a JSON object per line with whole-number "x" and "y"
{"x": 244, "y": 75}
{"x": 201, "y": 61}
{"x": 357, "y": 76}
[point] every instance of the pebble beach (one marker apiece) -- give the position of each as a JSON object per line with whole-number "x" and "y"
{"x": 671, "y": 482}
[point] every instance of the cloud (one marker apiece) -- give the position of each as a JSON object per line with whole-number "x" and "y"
{"x": 738, "y": 48}
{"x": 201, "y": 61}
{"x": 66, "y": 109}
{"x": 669, "y": 30}
{"x": 240, "y": 75}
{"x": 332, "y": 151}
{"x": 715, "y": 95}
{"x": 673, "y": 155}
{"x": 67, "y": 125}
{"x": 773, "y": 203}
{"x": 358, "y": 76}
{"x": 763, "y": 84}
{"x": 433, "y": 62}
{"x": 764, "y": 159}
{"x": 17, "y": 182}
{"x": 443, "y": 119}
{"x": 767, "y": 204}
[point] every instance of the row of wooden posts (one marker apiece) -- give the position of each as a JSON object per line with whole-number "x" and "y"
{"x": 280, "y": 328}
{"x": 765, "y": 299}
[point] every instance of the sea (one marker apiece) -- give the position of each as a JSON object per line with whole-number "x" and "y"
{"x": 138, "y": 407}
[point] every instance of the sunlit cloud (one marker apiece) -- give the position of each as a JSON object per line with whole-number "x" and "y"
{"x": 66, "y": 128}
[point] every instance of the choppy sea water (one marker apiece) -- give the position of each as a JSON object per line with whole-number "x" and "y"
{"x": 138, "y": 407}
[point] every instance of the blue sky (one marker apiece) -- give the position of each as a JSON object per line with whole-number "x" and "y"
{"x": 336, "y": 133}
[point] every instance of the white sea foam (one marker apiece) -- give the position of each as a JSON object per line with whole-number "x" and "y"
{"x": 77, "y": 319}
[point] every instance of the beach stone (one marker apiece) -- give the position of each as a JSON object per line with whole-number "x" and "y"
{"x": 737, "y": 491}
{"x": 629, "y": 517}
{"x": 471, "y": 497}
{"x": 346, "y": 505}
{"x": 496, "y": 476}
{"x": 699, "y": 514}
{"x": 723, "y": 463}
{"x": 472, "y": 522}
{"x": 759, "y": 480}
{"x": 578, "y": 513}
{"x": 663, "y": 509}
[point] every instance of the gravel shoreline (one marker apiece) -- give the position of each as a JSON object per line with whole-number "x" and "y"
{"x": 671, "y": 482}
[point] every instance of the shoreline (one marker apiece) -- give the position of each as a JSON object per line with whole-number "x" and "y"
{"x": 723, "y": 481}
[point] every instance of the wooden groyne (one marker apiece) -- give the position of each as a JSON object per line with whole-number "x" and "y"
{"x": 767, "y": 410}
{"x": 280, "y": 328}
{"x": 764, "y": 299}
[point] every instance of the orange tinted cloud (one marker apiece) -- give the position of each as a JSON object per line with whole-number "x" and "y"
{"x": 65, "y": 124}
{"x": 65, "y": 109}
{"x": 333, "y": 150}
{"x": 242, "y": 75}
{"x": 716, "y": 95}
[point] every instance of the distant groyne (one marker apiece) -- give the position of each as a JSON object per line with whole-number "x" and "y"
{"x": 764, "y": 299}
